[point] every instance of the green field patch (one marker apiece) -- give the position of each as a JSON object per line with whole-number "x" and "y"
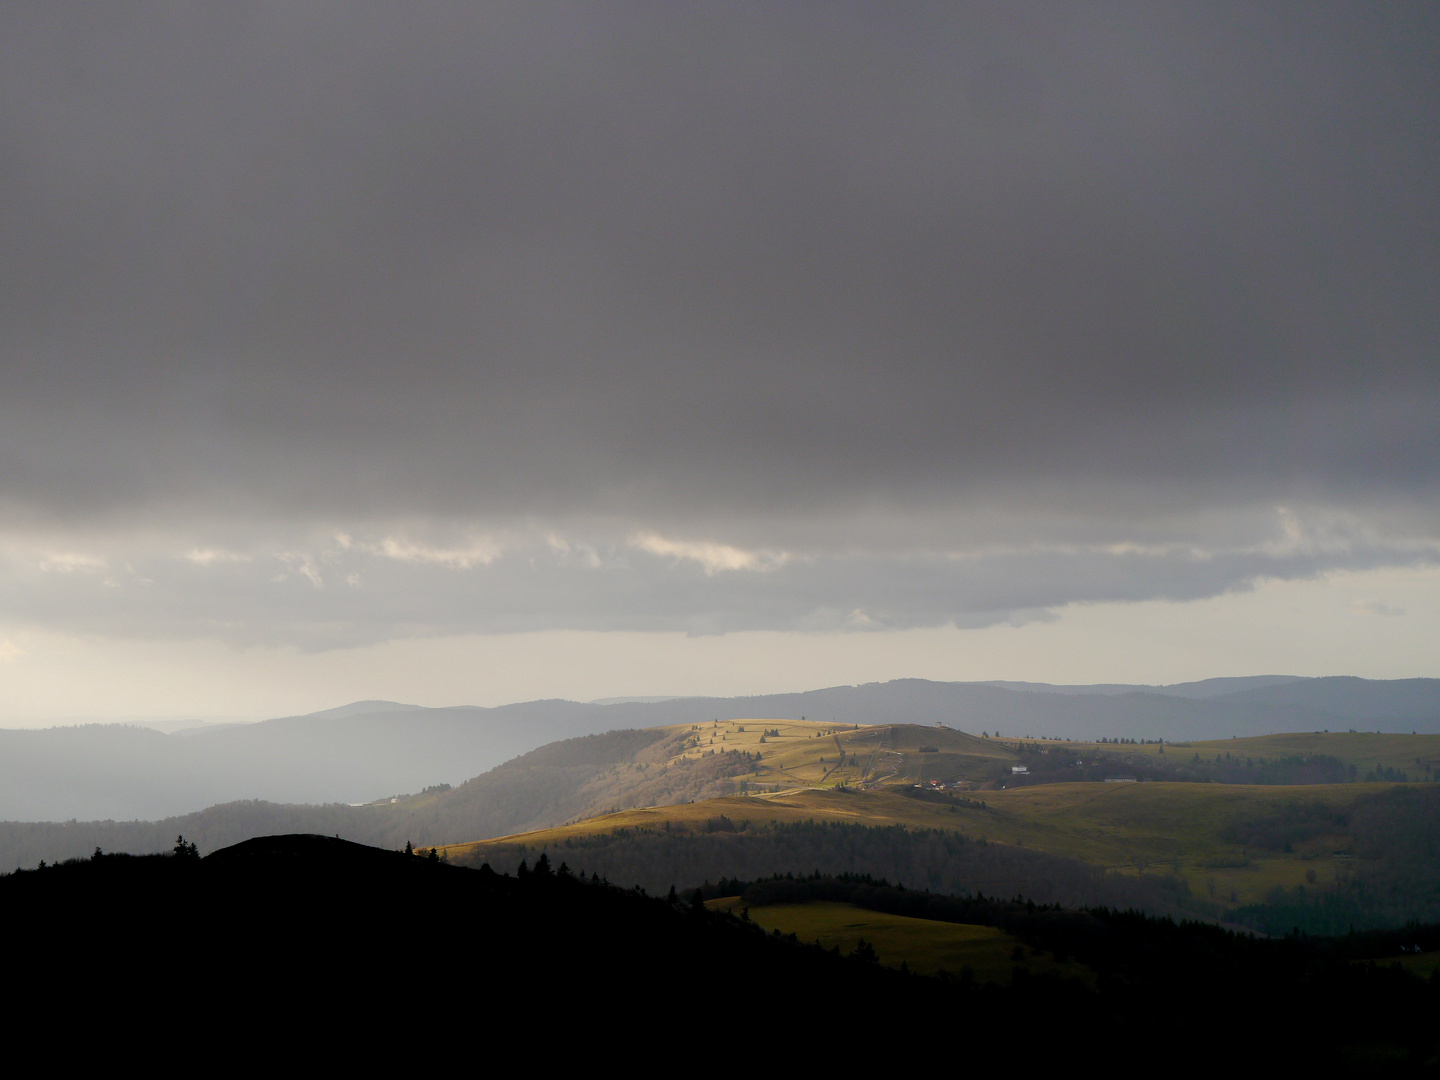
{"x": 925, "y": 946}
{"x": 1207, "y": 834}
{"x": 1374, "y": 756}
{"x": 1423, "y": 964}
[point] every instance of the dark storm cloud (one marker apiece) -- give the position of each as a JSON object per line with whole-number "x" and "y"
{"x": 852, "y": 282}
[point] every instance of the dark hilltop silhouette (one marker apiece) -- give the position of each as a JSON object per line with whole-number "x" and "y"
{"x": 347, "y": 943}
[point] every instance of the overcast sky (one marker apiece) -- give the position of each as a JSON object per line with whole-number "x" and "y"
{"x": 711, "y": 347}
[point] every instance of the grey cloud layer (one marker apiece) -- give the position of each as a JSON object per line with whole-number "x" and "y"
{"x": 865, "y": 283}
{"x": 354, "y": 589}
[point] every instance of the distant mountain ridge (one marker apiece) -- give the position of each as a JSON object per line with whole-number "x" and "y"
{"x": 372, "y": 749}
{"x": 1212, "y": 708}
{"x": 1205, "y": 688}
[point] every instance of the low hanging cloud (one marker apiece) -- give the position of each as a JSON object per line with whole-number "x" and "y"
{"x": 348, "y": 589}
{"x": 477, "y": 553}
{"x": 711, "y": 556}
{"x": 210, "y": 556}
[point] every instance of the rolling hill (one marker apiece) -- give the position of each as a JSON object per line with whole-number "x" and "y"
{"x": 367, "y": 750}
{"x": 736, "y": 798}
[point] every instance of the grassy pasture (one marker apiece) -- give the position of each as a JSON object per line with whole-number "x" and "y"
{"x": 806, "y": 767}
{"x": 1366, "y": 750}
{"x": 1182, "y": 829}
{"x": 800, "y": 746}
{"x": 806, "y": 753}
{"x": 926, "y": 946}
{"x": 796, "y": 804}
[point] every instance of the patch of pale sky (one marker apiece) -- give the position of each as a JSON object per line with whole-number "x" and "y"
{"x": 1375, "y": 607}
{"x": 1321, "y": 626}
{"x": 69, "y": 562}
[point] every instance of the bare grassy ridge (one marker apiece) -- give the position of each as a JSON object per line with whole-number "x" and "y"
{"x": 583, "y": 777}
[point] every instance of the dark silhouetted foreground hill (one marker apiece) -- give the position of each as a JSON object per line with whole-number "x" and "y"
{"x": 305, "y": 944}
